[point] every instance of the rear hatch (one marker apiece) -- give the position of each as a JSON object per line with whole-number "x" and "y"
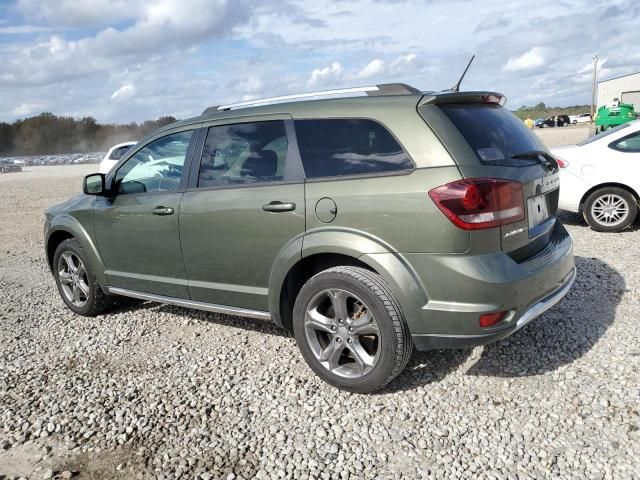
{"x": 487, "y": 141}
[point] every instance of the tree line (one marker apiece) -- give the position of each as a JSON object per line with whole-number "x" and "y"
{"x": 49, "y": 134}
{"x": 543, "y": 111}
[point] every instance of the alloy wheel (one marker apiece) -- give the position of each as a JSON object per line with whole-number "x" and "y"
{"x": 610, "y": 209}
{"x": 342, "y": 333}
{"x": 73, "y": 279}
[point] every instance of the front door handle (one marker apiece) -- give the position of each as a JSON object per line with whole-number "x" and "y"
{"x": 162, "y": 211}
{"x": 279, "y": 207}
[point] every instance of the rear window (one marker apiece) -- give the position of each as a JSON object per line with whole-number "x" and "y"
{"x": 494, "y": 133}
{"x": 335, "y": 147}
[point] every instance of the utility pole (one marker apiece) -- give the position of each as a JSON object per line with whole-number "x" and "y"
{"x": 593, "y": 85}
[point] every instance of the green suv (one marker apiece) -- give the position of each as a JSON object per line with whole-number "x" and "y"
{"x": 367, "y": 221}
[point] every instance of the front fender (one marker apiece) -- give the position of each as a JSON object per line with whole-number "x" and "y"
{"x": 71, "y": 225}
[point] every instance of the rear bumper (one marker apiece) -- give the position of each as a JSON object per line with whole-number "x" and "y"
{"x": 434, "y": 341}
{"x": 449, "y": 292}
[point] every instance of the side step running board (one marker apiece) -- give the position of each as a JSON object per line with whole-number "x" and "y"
{"x": 181, "y": 302}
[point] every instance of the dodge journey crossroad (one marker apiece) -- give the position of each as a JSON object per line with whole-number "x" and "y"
{"x": 368, "y": 221}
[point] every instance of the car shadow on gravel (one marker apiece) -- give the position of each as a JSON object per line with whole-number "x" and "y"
{"x": 576, "y": 219}
{"x": 559, "y": 337}
{"x": 254, "y": 325}
{"x": 427, "y": 367}
{"x": 563, "y": 334}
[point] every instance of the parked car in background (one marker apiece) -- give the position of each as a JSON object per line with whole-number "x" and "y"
{"x": 114, "y": 154}
{"x": 555, "y": 121}
{"x": 582, "y": 118}
{"x": 600, "y": 177}
{"x": 613, "y": 115}
{"x": 365, "y": 225}
{"x": 9, "y": 166}
{"x": 538, "y": 122}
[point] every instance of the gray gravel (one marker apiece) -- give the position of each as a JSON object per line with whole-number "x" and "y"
{"x": 152, "y": 391}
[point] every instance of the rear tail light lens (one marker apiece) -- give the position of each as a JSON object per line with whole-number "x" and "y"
{"x": 480, "y": 203}
{"x": 490, "y": 319}
{"x": 562, "y": 163}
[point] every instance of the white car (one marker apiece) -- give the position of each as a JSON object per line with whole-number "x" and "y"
{"x": 600, "y": 177}
{"x": 114, "y": 154}
{"x": 582, "y": 118}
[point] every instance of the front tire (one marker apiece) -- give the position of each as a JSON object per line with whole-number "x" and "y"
{"x": 610, "y": 209}
{"x": 76, "y": 281}
{"x": 351, "y": 330}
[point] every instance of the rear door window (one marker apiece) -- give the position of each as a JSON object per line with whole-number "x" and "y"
{"x": 337, "y": 147}
{"x": 244, "y": 153}
{"x": 494, "y": 133}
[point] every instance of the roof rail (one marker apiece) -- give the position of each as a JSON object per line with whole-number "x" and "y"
{"x": 372, "y": 91}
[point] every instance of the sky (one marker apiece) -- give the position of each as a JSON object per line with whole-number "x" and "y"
{"x": 132, "y": 60}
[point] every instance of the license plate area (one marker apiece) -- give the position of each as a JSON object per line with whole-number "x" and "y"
{"x": 538, "y": 210}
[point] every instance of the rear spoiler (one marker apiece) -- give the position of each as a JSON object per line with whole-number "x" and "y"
{"x": 450, "y": 96}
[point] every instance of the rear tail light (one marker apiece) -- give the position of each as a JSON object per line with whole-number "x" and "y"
{"x": 480, "y": 203}
{"x": 562, "y": 163}
{"x": 490, "y": 319}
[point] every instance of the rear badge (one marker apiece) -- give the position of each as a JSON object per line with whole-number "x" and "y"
{"x": 514, "y": 232}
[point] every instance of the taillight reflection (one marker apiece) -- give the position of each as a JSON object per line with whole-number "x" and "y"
{"x": 480, "y": 203}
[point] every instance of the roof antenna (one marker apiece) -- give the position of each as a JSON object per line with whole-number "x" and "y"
{"x": 456, "y": 87}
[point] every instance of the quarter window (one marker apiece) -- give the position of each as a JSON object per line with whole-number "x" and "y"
{"x": 630, "y": 143}
{"x": 157, "y": 167}
{"x": 335, "y": 147}
{"x": 244, "y": 153}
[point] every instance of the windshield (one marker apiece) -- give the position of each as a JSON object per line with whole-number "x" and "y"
{"x": 603, "y": 134}
{"x": 494, "y": 133}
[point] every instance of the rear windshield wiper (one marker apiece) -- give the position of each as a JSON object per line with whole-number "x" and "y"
{"x": 543, "y": 157}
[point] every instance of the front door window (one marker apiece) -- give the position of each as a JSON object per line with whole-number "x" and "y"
{"x": 157, "y": 167}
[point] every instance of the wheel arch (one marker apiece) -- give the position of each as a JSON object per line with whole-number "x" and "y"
{"x": 65, "y": 227}
{"x": 331, "y": 247}
{"x": 605, "y": 185}
{"x": 300, "y": 273}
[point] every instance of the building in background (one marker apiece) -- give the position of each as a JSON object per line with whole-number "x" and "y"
{"x": 625, "y": 88}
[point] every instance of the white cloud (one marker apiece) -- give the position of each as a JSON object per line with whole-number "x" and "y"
{"x": 79, "y": 13}
{"x": 184, "y": 55}
{"x": 27, "y": 109}
{"x": 530, "y": 60}
{"x": 326, "y": 75}
{"x": 124, "y": 92}
{"x": 373, "y": 68}
{"x": 22, "y": 29}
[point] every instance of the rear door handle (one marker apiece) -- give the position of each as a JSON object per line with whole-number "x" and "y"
{"x": 279, "y": 207}
{"x": 162, "y": 211}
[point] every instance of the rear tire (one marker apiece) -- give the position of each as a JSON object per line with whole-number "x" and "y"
{"x": 351, "y": 330}
{"x": 610, "y": 209}
{"x": 76, "y": 281}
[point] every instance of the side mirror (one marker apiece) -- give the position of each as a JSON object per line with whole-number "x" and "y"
{"x": 94, "y": 184}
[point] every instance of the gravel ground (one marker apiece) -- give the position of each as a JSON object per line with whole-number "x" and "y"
{"x": 152, "y": 391}
{"x": 570, "y": 135}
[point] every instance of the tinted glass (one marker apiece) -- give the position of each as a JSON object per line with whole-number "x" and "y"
{"x": 155, "y": 168}
{"x": 494, "y": 133}
{"x": 335, "y": 147}
{"x": 118, "y": 153}
{"x": 630, "y": 143}
{"x": 244, "y": 153}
